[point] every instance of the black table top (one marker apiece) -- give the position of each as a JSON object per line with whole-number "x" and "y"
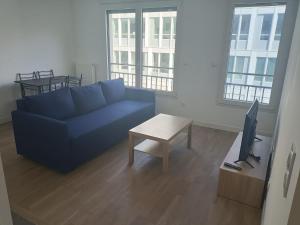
{"x": 42, "y": 81}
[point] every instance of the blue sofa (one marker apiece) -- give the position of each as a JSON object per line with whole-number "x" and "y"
{"x": 64, "y": 128}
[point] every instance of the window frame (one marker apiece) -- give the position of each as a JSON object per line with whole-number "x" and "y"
{"x": 278, "y": 78}
{"x": 138, "y": 8}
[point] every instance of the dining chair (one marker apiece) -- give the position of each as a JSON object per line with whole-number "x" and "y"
{"x": 26, "y": 76}
{"x": 26, "y": 88}
{"x": 57, "y": 83}
{"x": 45, "y": 74}
{"x": 74, "y": 81}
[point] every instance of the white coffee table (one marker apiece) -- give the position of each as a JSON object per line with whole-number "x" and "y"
{"x": 158, "y": 133}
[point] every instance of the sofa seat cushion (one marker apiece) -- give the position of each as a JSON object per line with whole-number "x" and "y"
{"x": 98, "y": 119}
{"x": 56, "y": 104}
{"x": 113, "y": 90}
{"x": 88, "y": 98}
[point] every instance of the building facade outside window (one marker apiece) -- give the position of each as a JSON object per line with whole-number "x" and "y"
{"x": 255, "y": 38}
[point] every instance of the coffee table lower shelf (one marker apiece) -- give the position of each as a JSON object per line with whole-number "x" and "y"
{"x": 150, "y": 147}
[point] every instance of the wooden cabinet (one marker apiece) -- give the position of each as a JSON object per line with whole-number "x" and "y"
{"x": 245, "y": 186}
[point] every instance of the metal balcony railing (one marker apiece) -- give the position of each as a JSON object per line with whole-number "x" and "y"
{"x": 155, "y": 78}
{"x": 247, "y": 89}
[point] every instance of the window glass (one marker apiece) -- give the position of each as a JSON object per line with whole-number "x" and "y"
{"x": 166, "y": 27}
{"x": 260, "y": 68}
{"x": 124, "y": 28}
{"x": 164, "y": 62}
{"x": 279, "y": 27}
{"x": 241, "y": 67}
{"x": 270, "y": 69}
{"x": 271, "y": 66}
{"x": 124, "y": 59}
{"x": 266, "y": 27}
{"x": 115, "y": 57}
{"x": 155, "y": 59}
{"x": 115, "y": 28}
{"x": 132, "y": 27}
{"x": 235, "y": 27}
{"x": 245, "y": 25}
{"x": 154, "y": 27}
{"x": 174, "y": 27}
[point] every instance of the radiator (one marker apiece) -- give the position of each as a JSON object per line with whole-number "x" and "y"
{"x": 88, "y": 71}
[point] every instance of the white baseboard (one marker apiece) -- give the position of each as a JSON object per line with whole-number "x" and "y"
{"x": 5, "y": 119}
{"x": 217, "y": 127}
{"x": 229, "y": 128}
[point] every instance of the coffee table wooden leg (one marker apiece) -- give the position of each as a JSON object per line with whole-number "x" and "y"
{"x": 166, "y": 150}
{"x": 189, "y": 141}
{"x": 130, "y": 150}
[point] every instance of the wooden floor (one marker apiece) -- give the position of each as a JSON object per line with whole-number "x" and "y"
{"x": 106, "y": 191}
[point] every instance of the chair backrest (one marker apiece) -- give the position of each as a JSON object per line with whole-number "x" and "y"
{"x": 26, "y": 76}
{"x": 45, "y": 74}
{"x": 75, "y": 81}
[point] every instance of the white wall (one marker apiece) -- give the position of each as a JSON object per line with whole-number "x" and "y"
{"x": 277, "y": 208}
{"x": 35, "y": 35}
{"x": 201, "y": 59}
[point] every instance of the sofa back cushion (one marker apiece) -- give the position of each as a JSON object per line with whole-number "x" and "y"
{"x": 57, "y": 104}
{"x": 113, "y": 90}
{"x": 88, "y": 98}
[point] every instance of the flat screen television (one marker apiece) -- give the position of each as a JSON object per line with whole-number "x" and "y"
{"x": 249, "y": 133}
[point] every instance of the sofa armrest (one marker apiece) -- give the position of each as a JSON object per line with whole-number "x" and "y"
{"x": 40, "y": 135}
{"x": 140, "y": 94}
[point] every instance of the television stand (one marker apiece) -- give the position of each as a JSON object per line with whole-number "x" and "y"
{"x": 257, "y": 138}
{"x": 246, "y": 161}
{"x": 247, "y": 185}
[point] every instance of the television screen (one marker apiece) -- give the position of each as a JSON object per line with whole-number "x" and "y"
{"x": 249, "y": 132}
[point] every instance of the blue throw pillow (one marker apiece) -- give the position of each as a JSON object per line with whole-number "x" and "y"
{"x": 57, "y": 104}
{"x": 113, "y": 90}
{"x": 88, "y": 98}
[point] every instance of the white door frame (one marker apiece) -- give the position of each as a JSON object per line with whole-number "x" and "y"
{"x": 5, "y": 214}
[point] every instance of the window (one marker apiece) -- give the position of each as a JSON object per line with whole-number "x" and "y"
{"x": 154, "y": 64}
{"x": 124, "y": 28}
{"x": 237, "y": 66}
{"x": 124, "y": 60}
{"x": 132, "y": 27}
{"x": 250, "y": 71}
{"x": 260, "y": 68}
{"x": 235, "y": 27}
{"x": 115, "y": 57}
{"x": 240, "y": 30}
{"x": 266, "y": 27}
{"x": 164, "y": 63}
{"x": 279, "y": 27}
{"x": 167, "y": 28}
{"x": 174, "y": 27}
{"x": 153, "y": 31}
{"x": 265, "y": 69}
{"x": 245, "y": 24}
{"x": 115, "y": 28}
{"x": 156, "y": 47}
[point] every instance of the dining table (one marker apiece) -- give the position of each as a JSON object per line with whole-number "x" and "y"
{"x": 39, "y": 83}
